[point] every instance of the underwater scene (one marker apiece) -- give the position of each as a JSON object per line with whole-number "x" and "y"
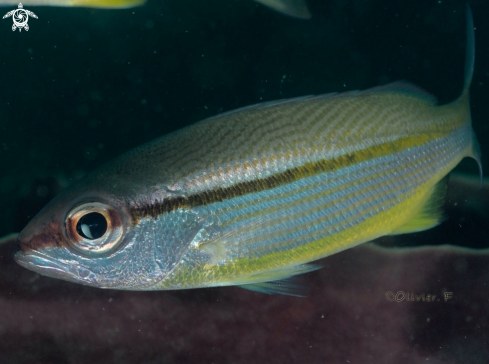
{"x": 244, "y": 181}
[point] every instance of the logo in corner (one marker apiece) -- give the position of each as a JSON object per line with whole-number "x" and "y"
{"x": 20, "y": 17}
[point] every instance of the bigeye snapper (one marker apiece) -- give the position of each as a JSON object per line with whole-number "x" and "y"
{"x": 251, "y": 197}
{"x": 294, "y": 8}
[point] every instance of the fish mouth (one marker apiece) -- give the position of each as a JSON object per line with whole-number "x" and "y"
{"x": 45, "y": 265}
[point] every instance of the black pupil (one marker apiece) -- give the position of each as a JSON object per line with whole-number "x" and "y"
{"x": 92, "y": 226}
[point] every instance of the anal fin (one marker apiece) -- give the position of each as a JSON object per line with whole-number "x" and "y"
{"x": 287, "y": 287}
{"x": 278, "y": 281}
{"x": 431, "y": 212}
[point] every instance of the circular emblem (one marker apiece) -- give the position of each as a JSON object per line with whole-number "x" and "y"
{"x": 20, "y": 18}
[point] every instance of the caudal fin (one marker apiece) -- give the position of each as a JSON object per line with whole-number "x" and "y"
{"x": 469, "y": 72}
{"x": 470, "y": 50}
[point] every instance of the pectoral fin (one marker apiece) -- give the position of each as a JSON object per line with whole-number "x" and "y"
{"x": 295, "y": 8}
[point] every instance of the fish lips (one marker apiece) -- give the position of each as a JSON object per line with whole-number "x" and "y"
{"x": 43, "y": 263}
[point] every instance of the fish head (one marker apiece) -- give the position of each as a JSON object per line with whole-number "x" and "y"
{"x": 90, "y": 236}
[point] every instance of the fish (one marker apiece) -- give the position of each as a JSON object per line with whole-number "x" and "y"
{"x": 253, "y": 197}
{"x": 293, "y": 8}
{"x": 104, "y": 4}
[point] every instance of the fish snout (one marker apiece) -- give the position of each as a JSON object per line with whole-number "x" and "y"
{"x": 49, "y": 237}
{"x": 42, "y": 250}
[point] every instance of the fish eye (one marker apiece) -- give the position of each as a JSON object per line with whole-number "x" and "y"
{"x": 94, "y": 228}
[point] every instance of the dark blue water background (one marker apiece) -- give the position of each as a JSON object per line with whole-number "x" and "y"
{"x": 82, "y": 86}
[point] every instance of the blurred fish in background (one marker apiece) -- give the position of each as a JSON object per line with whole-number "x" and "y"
{"x": 10, "y": 238}
{"x": 116, "y": 4}
{"x": 294, "y": 8}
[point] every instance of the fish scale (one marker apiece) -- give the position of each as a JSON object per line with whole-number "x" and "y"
{"x": 229, "y": 150}
{"x": 326, "y": 202}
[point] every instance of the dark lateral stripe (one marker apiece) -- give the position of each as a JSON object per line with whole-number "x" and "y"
{"x": 291, "y": 175}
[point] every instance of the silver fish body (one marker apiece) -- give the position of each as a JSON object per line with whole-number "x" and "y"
{"x": 252, "y": 196}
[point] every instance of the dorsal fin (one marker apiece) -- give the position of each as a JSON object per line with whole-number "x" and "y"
{"x": 406, "y": 88}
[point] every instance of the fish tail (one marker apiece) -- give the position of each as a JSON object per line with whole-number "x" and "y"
{"x": 430, "y": 212}
{"x": 108, "y": 4}
{"x": 469, "y": 52}
{"x": 469, "y": 72}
